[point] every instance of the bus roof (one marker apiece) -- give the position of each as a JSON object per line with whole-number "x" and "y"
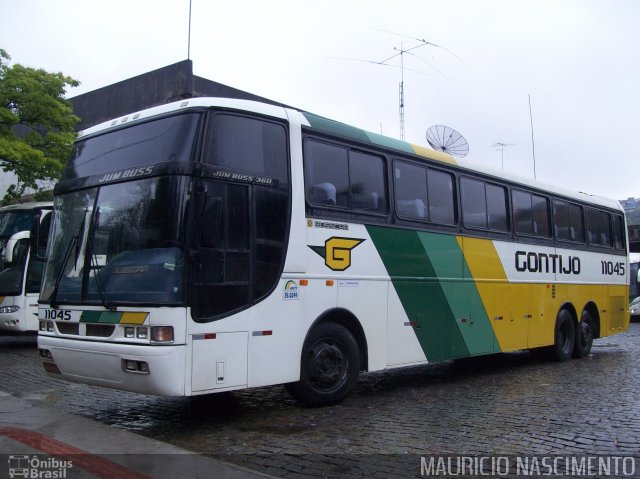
{"x": 336, "y": 128}
{"x": 27, "y": 206}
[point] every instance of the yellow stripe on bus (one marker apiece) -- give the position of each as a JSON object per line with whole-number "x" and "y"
{"x": 433, "y": 154}
{"x": 133, "y": 318}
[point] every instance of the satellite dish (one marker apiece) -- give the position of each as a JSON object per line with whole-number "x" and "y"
{"x": 447, "y": 139}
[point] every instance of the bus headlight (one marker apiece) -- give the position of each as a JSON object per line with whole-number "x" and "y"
{"x": 162, "y": 334}
{"x": 142, "y": 333}
{"x": 9, "y": 309}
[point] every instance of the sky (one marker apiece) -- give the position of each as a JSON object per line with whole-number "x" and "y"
{"x": 576, "y": 62}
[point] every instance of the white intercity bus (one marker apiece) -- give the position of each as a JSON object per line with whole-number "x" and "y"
{"x": 20, "y": 272}
{"x": 214, "y": 244}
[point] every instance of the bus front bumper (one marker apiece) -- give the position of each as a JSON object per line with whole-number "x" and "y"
{"x": 158, "y": 370}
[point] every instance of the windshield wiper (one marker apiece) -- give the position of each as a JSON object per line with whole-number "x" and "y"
{"x": 75, "y": 240}
{"x": 102, "y": 291}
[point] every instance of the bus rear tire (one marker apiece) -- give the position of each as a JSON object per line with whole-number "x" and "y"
{"x": 584, "y": 336}
{"x": 329, "y": 367}
{"x": 565, "y": 336}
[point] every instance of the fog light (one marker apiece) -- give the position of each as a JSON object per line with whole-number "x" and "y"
{"x": 129, "y": 332}
{"x": 130, "y": 365}
{"x": 9, "y": 309}
{"x": 138, "y": 367}
{"x": 162, "y": 334}
{"x": 142, "y": 333}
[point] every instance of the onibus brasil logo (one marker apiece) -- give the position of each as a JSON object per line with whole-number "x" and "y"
{"x": 337, "y": 252}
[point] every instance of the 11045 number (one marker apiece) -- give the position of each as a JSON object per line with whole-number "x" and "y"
{"x": 57, "y": 315}
{"x": 613, "y": 269}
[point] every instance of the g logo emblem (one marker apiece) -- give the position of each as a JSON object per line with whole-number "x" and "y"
{"x": 337, "y": 252}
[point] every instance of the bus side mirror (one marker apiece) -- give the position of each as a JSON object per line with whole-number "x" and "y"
{"x": 16, "y": 246}
{"x": 35, "y": 236}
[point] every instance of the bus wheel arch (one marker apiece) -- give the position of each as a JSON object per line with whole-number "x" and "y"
{"x": 330, "y": 362}
{"x": 348, "y": 320}
{"x": 565, "y": 333}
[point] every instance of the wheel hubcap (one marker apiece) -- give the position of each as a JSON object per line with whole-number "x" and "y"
{"x": 328, "y": 365}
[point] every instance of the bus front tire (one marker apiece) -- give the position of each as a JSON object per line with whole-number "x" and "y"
{"x": 565, "y": 336}
{"x": 584, "y": 336}
{"x": 329, "y": 368}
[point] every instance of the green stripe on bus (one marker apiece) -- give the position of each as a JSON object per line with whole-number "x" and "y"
{"x": 392, "y": 143}
{"x": 107, "y": 317}
{"x": 462, "y": 294}
{"x": 336, "y": 128}
{"x": 421, "y": 292}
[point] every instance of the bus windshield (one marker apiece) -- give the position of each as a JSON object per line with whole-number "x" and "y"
{"x": 12, "y": 222}
{"x": 119, "y": 243}
{"x": 166, "y": 139}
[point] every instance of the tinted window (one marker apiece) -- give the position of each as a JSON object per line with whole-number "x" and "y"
{"x": 337, "y": 176}
{"x": 327, "y": 174}
{"x": 541, "y": 223}
{"x": 441, "y": 197}
{"x": 248, "y": 145}
{"x": 522, "y": 212}
{"x": 497, "y": 208}
{"x": 598, "y": 227}
{"x": 618, "y": 232}
{"x": 167, "y": 139}
{"x": 531, "y": 214}
{"x": 411, "y": 190}
{"x": 366, "y": 175}
{"x": 568, "y": 221}
{"x": 483, "y": 205}
{"x": 474, "y": 204}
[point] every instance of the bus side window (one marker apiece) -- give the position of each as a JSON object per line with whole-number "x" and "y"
{"x": 598, "y": 227}
{"x": 618, "y": 232}
{"x": 568, "y": 221}
{"x": 326, "y": 174}
{"x": 411, "y": 190}
{"x": 338, "y": 176}
{"x": 442, "y": 203}
{"x": 366, "y": 175}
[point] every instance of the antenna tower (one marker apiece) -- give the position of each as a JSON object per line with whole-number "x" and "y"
{"x": 400, "y": 52}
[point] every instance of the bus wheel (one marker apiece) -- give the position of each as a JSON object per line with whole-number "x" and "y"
{"x": 565, "y": 336}
{"x": 329, "y": 368}
{"x": 584, "y": 336}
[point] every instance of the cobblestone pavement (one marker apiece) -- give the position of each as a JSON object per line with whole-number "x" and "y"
{"x": 510, "y": 404}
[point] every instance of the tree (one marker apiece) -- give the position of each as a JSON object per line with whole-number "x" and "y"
{"x": 36, "y": 126}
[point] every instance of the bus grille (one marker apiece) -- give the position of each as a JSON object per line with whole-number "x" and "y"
{"x": 99, "y": 330}
{"x": 68, "y": 328}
